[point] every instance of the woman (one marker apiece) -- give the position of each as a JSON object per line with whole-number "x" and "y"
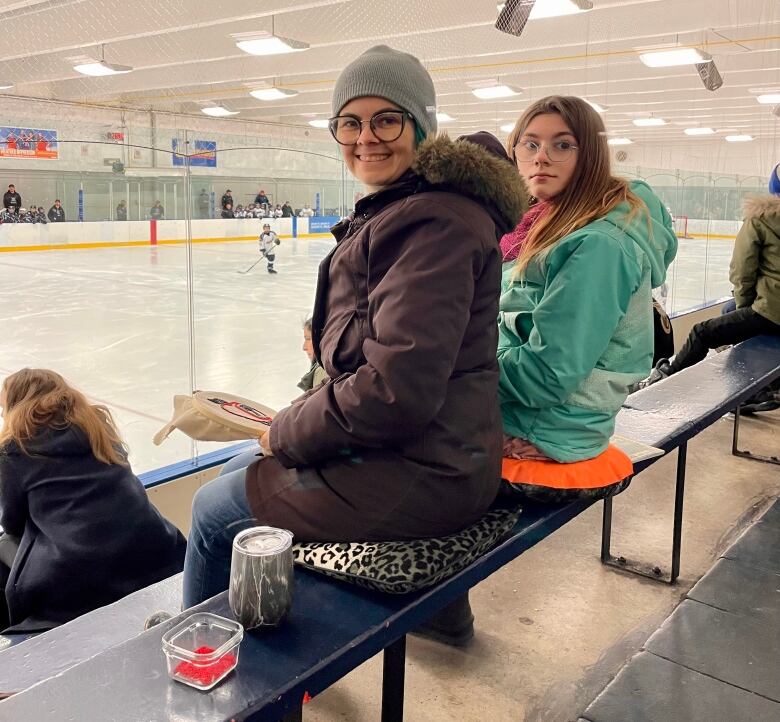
{"x": 87, "y": 533}
{"x": 576, "y": 325}
{"x": 404, "y": 441}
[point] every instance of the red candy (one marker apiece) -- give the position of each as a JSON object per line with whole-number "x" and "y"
{"x": 205, "y": 674}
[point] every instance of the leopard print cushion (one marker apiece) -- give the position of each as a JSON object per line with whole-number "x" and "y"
{"x": 398, "y": 567}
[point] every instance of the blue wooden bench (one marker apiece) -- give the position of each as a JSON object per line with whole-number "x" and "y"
{"x": 335, "y": 626}
{"x": 680, "y": 408}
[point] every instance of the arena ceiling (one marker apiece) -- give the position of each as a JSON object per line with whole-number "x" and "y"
{"x": 184, "y": 56}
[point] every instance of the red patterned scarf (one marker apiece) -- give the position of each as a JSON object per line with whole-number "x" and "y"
{"x": 512, "y": 243}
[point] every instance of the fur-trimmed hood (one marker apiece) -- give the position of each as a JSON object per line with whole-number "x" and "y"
{"x": 478, "y": 167}
{"x": 761, "y": 205}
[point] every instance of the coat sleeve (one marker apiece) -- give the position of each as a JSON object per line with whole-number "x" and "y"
{"x": 418, "y": 310}
{"x": 572, "y": 324}
{"x": 13, "y": 500}
{"x": 743, "y": 271}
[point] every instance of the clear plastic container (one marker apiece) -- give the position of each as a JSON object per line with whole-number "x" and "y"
{"x": 202, "y": 650}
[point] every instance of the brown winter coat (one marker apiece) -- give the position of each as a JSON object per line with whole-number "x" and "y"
{"x": 405, "y": 440}
{"x": 755, "y": 264}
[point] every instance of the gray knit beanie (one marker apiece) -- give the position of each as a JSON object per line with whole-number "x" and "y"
{"x": 387, "y": 73}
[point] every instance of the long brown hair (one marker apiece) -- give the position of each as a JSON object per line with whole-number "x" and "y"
{"x": 592, "y": 192}
{"x": 36, "y": 399}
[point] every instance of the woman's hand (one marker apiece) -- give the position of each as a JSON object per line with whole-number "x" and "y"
{"x": 265, "y": 443}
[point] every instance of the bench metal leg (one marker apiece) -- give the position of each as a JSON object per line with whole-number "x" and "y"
{"x": 642, "y": 569}
{"x": 393, "y": 670}
{"x": 745, "y": 454}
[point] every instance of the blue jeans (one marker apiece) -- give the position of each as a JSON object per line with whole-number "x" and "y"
{"x": 220, "y": 510}
{"x": 728, "y": 307}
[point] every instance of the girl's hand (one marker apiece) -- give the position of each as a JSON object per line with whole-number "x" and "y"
{"x": 265, "y": 443}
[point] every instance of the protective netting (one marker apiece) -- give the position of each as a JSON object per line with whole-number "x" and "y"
{"x": 134, "y": 321}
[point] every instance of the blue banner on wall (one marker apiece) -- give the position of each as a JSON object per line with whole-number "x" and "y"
{"x": 322, "y": 224}
{"x": 28, "y": 143}
{"x": 203, "y": 153}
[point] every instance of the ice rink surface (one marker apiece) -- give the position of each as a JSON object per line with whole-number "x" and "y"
{"x": 114, "y": 322}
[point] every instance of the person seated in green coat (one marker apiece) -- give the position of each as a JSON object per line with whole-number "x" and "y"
{"x": 755, "y": 275}
{"x": 575, "y": 321}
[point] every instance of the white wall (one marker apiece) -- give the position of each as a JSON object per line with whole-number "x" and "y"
{"x": 64, "y": 234}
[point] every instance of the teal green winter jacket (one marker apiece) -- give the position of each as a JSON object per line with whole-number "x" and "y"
{"x": 576, "y": 329}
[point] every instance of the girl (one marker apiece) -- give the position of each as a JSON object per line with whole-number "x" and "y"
{"x": 576, "y": 325}
{"x": 87, "y": 533}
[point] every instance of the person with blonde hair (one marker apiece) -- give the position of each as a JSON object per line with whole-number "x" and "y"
{"x": 79, "y": 530}
{"x": 575, "y": 322}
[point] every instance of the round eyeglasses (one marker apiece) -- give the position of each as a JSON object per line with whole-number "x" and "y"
{"x": 558, "y": 152}
{"x": 386, "y": 126}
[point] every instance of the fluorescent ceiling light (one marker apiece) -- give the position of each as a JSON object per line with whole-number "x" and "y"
{"x": 769, "y": 99}
{"x": 677, "y": 56}
{"x": 555, "y": 8}
{"x": 698, "y": 131}
{"x": 273, "y": 93}
{"x": 444, "y": 117}
{"x": 6, "y": 86}
{"x": 265, "y": 43}
{"x": 101, "y": 67}
{"x": 496, "y": 91}
{"x": 319, "y": 123}
{"x": 739, "y": 138}
{"x": 620, "y": 141}
{"x": 598, "y": 108}
{"x": 508, "y": 128}
{"x": 649, "y": 122}
{"x": 218, "y": 111}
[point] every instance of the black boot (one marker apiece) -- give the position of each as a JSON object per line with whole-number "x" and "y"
{"x": 453, "y": 625}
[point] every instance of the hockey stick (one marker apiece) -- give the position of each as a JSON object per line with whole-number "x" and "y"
{"x": 254, "y": 264}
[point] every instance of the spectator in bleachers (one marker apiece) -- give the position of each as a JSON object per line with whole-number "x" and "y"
{"x": 57, "y": 212}
{"x": 576, "y": 326}
{"x": 755, "y": 275}
{"x": 404, "y": 441}
{"x": 227, "y": 198}
{"x": 262, "y": 198}
{"x": 287, "y": 210}
{"x": 227, "y": 211}
{"x": 316, "y": 374}
{"x": 121, "y": 211}
{"x": 157, "y": 212}
{"x": 12, "y": 201}
{"x": 85, "y": 529}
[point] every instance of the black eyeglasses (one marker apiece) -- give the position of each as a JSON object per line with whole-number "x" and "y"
{"x": 386, "y": 126}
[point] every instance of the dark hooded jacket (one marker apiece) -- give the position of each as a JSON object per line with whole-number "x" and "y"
{"x": 89, "y": 534}
{"x": 404, "y": 324}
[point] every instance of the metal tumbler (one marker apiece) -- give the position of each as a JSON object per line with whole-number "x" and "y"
{"x": 261, "y": 576}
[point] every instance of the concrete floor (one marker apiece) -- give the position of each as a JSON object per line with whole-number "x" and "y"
{"x": 555, "y": 626}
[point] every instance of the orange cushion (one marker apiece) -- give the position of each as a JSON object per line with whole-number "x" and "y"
{"x": 609, "y": 467}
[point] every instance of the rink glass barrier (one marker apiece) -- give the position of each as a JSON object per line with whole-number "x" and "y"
{"x": 134, "y": 312}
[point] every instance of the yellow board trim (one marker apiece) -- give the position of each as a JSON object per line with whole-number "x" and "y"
{"x": 126, "y": 244}
{"x": 713, "y": 235}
